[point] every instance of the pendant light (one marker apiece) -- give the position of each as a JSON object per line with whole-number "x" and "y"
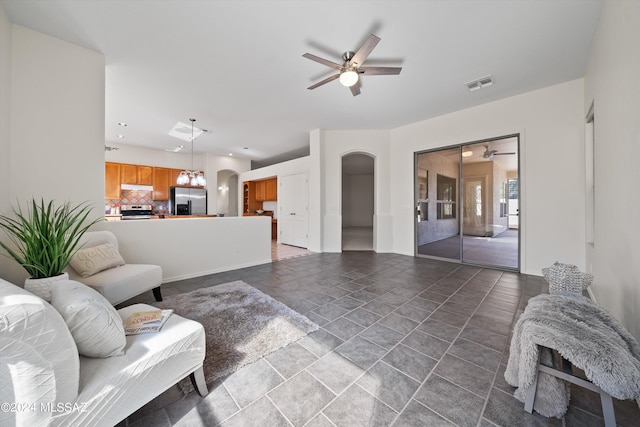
{"x": 191, "y": 176}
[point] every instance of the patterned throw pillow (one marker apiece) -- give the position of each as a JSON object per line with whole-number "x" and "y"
{"x": 566, "y": 278}
{"x": 95, "y": 259}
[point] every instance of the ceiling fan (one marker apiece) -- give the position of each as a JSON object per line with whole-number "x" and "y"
{"x": 488, "y": 154}
{"x": 350, "y": 70}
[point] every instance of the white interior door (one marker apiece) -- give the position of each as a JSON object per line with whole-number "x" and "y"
{"x": 293, "y": 206}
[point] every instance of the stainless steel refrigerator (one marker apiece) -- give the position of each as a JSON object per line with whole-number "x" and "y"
{"x": 188, "y": 201}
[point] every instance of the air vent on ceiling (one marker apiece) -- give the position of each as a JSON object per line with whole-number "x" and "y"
{"x": 479, "y": 83}
{"x": 107, "y": 148}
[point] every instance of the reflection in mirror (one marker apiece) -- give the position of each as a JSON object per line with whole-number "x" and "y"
{"x": 446, "y": 198}
{"x": 423, "y": 197}
{"x": 440, "y": 171}
{"x": 474, "y": 209}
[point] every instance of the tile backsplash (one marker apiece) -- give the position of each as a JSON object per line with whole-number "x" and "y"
{"x": 137, "y": 197}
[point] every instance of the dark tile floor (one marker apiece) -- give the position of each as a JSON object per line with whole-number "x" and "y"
{"x": 403, "y": 341}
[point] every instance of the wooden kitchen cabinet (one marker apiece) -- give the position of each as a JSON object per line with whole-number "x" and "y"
{"x": 271, "y": 189}
{"x": 136, "y": 174}
{"x": 160, "y": 183}
{"x": 112, "y": 181}
{"x": 260, "y": 191}
{"x": 249, "y": 202}
{"x": 128, "y": 174}
{"x": 173, "y": 177}
{"x": 145, "y": 175}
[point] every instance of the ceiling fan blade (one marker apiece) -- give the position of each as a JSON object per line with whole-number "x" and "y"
{"x": 365, "y": 50}
{"x": 355, "y": 89}
{"x": 372, "y": 71}
{"x": 325, "y": 81}
{"x": 502, "y": 154}
{"x": 323, "y": 61}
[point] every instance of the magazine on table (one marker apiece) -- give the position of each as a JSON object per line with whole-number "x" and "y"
{"x": 146, "y": 321}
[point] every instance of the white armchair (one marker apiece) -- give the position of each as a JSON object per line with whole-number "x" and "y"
{"x": 122, "y": 282}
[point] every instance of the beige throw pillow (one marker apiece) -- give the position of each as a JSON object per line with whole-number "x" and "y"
{"x": 94, "y": 323}
{"x": 90, "y": 261}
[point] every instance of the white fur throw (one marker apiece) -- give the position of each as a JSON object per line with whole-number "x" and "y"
{"x": 584, "y": 334}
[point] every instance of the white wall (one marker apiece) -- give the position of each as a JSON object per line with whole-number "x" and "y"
{"x": 153, "y": 157}
{"x": 289, "y": 167}
{"x": 357, "y": 200}
{"x": 612, "y": 84}
{"x": 551, "y": 125}
{"x": 192, "y": 247}
{"x": 333, "y": 144}
{"x": 56, "y": 124}
{"x": 5, "y": 109}
{"x": 227, "y": 196}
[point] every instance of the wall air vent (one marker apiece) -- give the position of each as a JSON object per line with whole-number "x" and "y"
{"x": 479, "y": 83}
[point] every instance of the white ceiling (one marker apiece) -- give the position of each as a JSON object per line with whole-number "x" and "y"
{"x": 237, "y": 66}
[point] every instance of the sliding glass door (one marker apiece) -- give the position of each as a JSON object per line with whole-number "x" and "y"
{"x": 467, "y": 203}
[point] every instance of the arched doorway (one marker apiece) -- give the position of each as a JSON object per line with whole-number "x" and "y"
{"x": 227, "y": 193}
{"x": 358, "y": 202}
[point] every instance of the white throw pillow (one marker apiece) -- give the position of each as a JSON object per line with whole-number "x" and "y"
{"x": 95, "y": 259}
{"x": 93, "y": 322}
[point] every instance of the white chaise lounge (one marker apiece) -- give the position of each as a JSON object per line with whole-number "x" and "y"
{"x": 43, "y": 380}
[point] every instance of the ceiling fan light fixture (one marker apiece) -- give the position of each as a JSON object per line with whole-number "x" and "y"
{"x": 348, "y": 78}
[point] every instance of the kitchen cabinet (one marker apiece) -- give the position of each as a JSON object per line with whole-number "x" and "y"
{"x": 271, "y": 189}
{"x": 145, "y": 175}
{"x": 112, "y": 181}
{"x": 173, "y": 177}
{"x": 249, "y": 200}
{"x": 128, "y": 174}
{"x": 160, "y": 183}
{"x": 136, "y": 174}
{"x": 267, "y": 190}
{"x": 260, "y": 190}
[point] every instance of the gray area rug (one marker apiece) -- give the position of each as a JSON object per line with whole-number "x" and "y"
{"x": 241, "y": 323}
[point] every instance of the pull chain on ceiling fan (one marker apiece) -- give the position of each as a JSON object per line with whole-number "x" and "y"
{"x": 351, "y": 69}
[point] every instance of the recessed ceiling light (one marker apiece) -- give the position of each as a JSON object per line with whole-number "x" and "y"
{"x": 231, "y": 154}
{"x": 120, "y": 136}
{"x": 467, "y": 153}
{"x": 122, "y": 124}
{"x": 175, "y": 150}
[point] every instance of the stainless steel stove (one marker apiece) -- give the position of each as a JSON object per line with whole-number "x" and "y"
{"x": 136, "y": 212}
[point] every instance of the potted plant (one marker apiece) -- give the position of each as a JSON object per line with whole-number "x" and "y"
{"x": 44, "y": 238}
